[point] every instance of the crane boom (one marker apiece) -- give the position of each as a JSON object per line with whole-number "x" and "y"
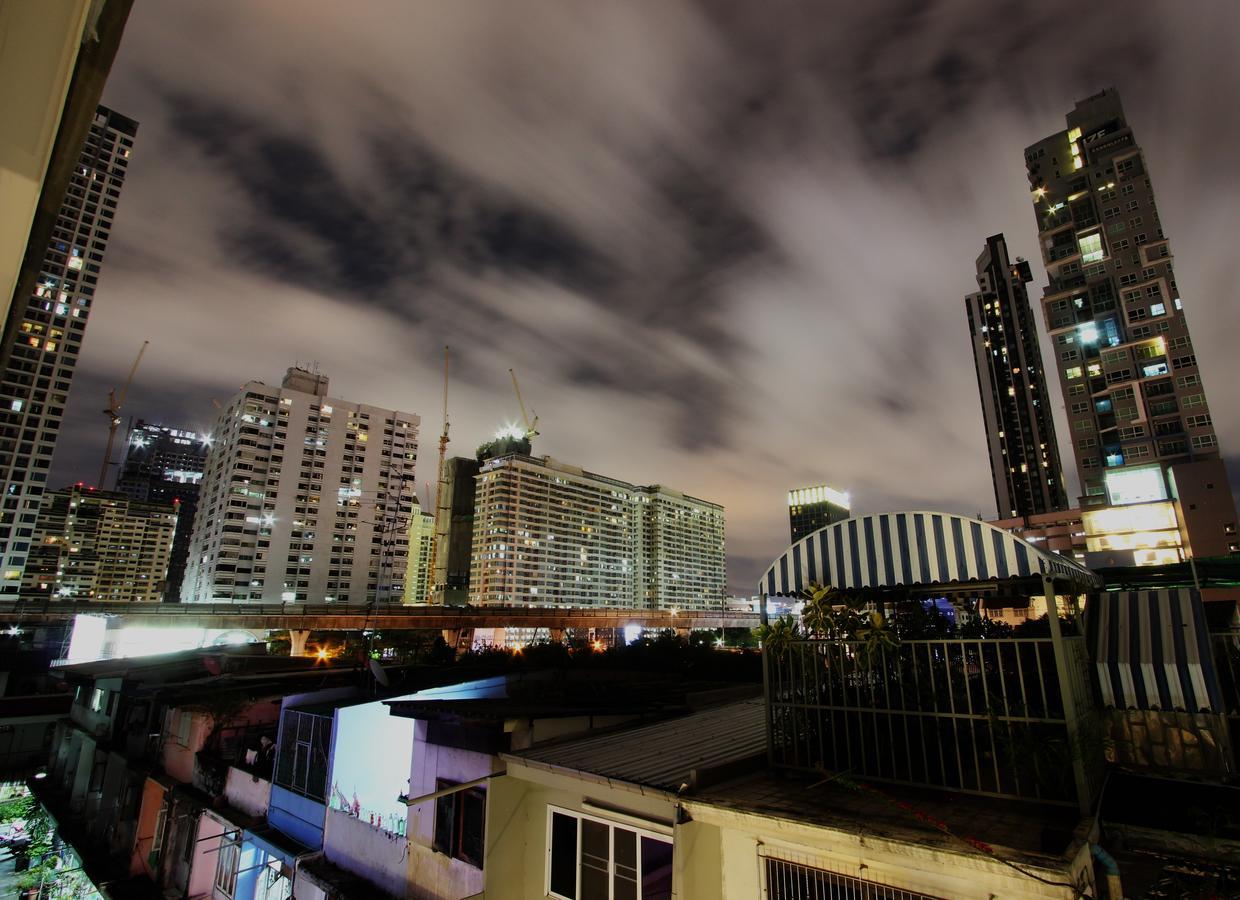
{"x": 113, "y": 412}
{"x": 530, "y": 427}
{"x": 133, "y": 370}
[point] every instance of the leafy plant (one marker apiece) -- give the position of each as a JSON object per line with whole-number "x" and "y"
{"x": 776, "y": 637}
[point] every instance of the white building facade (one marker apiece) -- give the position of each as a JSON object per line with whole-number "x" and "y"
{"x": 305, "y": 499}
{"x": 551, "y": 534}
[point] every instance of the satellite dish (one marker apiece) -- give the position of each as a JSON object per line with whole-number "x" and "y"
{"x": 377, "y": 670}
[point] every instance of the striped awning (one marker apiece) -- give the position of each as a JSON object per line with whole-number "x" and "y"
{"x": 1152, "y": 650}
{"x": 914, "y": 548}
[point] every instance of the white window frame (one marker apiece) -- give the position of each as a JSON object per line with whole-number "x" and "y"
{"x": 226, "y": 874}
{"x": 654, "y": 831}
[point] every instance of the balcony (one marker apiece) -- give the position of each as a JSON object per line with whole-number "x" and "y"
{"x": 980, "y": 716}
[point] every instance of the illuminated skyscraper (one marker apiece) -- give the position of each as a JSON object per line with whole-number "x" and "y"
{"x": 816, "y": 507}
{"x": 1140, "y": 425}
{"x": 421, "y": 534}
{"x": 100, "y": 545}
{"x": 165, "y": 465}
{"x": 305, "y": 499}
{"x": 44, "y": 335}
{"x": 1020, "y": 433}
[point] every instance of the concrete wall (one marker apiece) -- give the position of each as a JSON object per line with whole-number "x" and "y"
{"x": 179, "y": 758}
{"x": 516, "y": 854}
{"x": 206, "y": 854}
{"x": 745, "y": 838}
{"x": 152, "y": 801}
{"x": 297, "y": 816}
{"x": 358, "y": 847}
{"x": 436, "y": 874}
{"x": 247, "y": 793}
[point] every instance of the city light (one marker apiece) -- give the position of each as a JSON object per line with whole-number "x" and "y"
{"x": 819, "y": 494}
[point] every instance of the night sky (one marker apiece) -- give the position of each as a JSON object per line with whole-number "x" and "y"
{"x": 724, "y": 245}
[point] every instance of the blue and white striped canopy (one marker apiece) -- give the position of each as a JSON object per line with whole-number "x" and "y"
{"x": 913, "y": 548}
{"x": 1152, "y": 650}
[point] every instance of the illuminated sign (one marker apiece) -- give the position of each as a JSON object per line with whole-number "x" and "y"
{"x": 1137, "y": 484}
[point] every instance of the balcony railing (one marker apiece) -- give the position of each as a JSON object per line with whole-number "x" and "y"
{"x": 982, "y": 716}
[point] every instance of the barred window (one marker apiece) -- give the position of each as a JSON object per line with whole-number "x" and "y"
{"x": 302, "y": 757}
{"x": 793, "y": 881}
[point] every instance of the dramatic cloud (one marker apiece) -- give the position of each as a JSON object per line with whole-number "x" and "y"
{"x": 725, "y": 245}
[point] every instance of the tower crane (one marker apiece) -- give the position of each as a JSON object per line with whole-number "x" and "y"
{"x": 531, "y": 428}
{"x": 443, "y": 503}
{"x": 113, "y": 412}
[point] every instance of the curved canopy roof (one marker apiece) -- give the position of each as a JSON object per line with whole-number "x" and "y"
{"x": 914, "y": 548}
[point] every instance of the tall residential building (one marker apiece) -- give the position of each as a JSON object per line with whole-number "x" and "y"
{"x": 811, "y": 508}
{"x": 1020, "y": 432}
{"x": 100, "y": 545}
{"x": 306, "y": 499}
{"x": 43, "y": 334}
{"x": 421, "y": 535}
{"x": 165, "y": 465}
{"x": 550, "y": 534}
{"x": 54, "y": 61}
{"x": 454, "y": 529}
{"x": 1137, "y": 413}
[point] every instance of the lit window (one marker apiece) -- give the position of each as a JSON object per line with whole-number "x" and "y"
{"x": 1091, "y": 248}
{"x": 16, "y": 405}
{"x": 1158, "y": 309}
{"x": 1074, "y": 372}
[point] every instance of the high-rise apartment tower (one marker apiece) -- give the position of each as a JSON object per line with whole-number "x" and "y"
{"x": 1138, "y": 418}
{"x": 100, "y": 545}
{"x": 1020, "y": 433}
{"x": 44, "y": 330}
{"x": 550, "y": 534}
{"x": 306, "y": 499}
{"x": 165, "y": 465}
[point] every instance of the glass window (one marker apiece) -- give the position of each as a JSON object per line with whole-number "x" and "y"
{"x": 1091, "y": 248}
{"x": 460, "y": 823}
{"x": 590, "y": 858}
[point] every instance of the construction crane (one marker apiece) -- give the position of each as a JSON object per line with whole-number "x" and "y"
{"x": 530, "y": 427}
{"x": 443, "y": 503}
{"x": 113, "y": 412}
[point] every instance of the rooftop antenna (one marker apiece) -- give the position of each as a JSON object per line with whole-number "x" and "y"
{"x": 113, "y": 412}
{"x": 443, "y": 503}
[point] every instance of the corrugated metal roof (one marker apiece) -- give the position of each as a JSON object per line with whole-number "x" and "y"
{"x": 661, "y": 755}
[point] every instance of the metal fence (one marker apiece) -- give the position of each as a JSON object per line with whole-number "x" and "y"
{"x": 980, "y": 716}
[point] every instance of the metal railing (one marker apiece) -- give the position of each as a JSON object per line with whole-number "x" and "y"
{"x": 786, "y": 880}
{"x": 982, "y": 716}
